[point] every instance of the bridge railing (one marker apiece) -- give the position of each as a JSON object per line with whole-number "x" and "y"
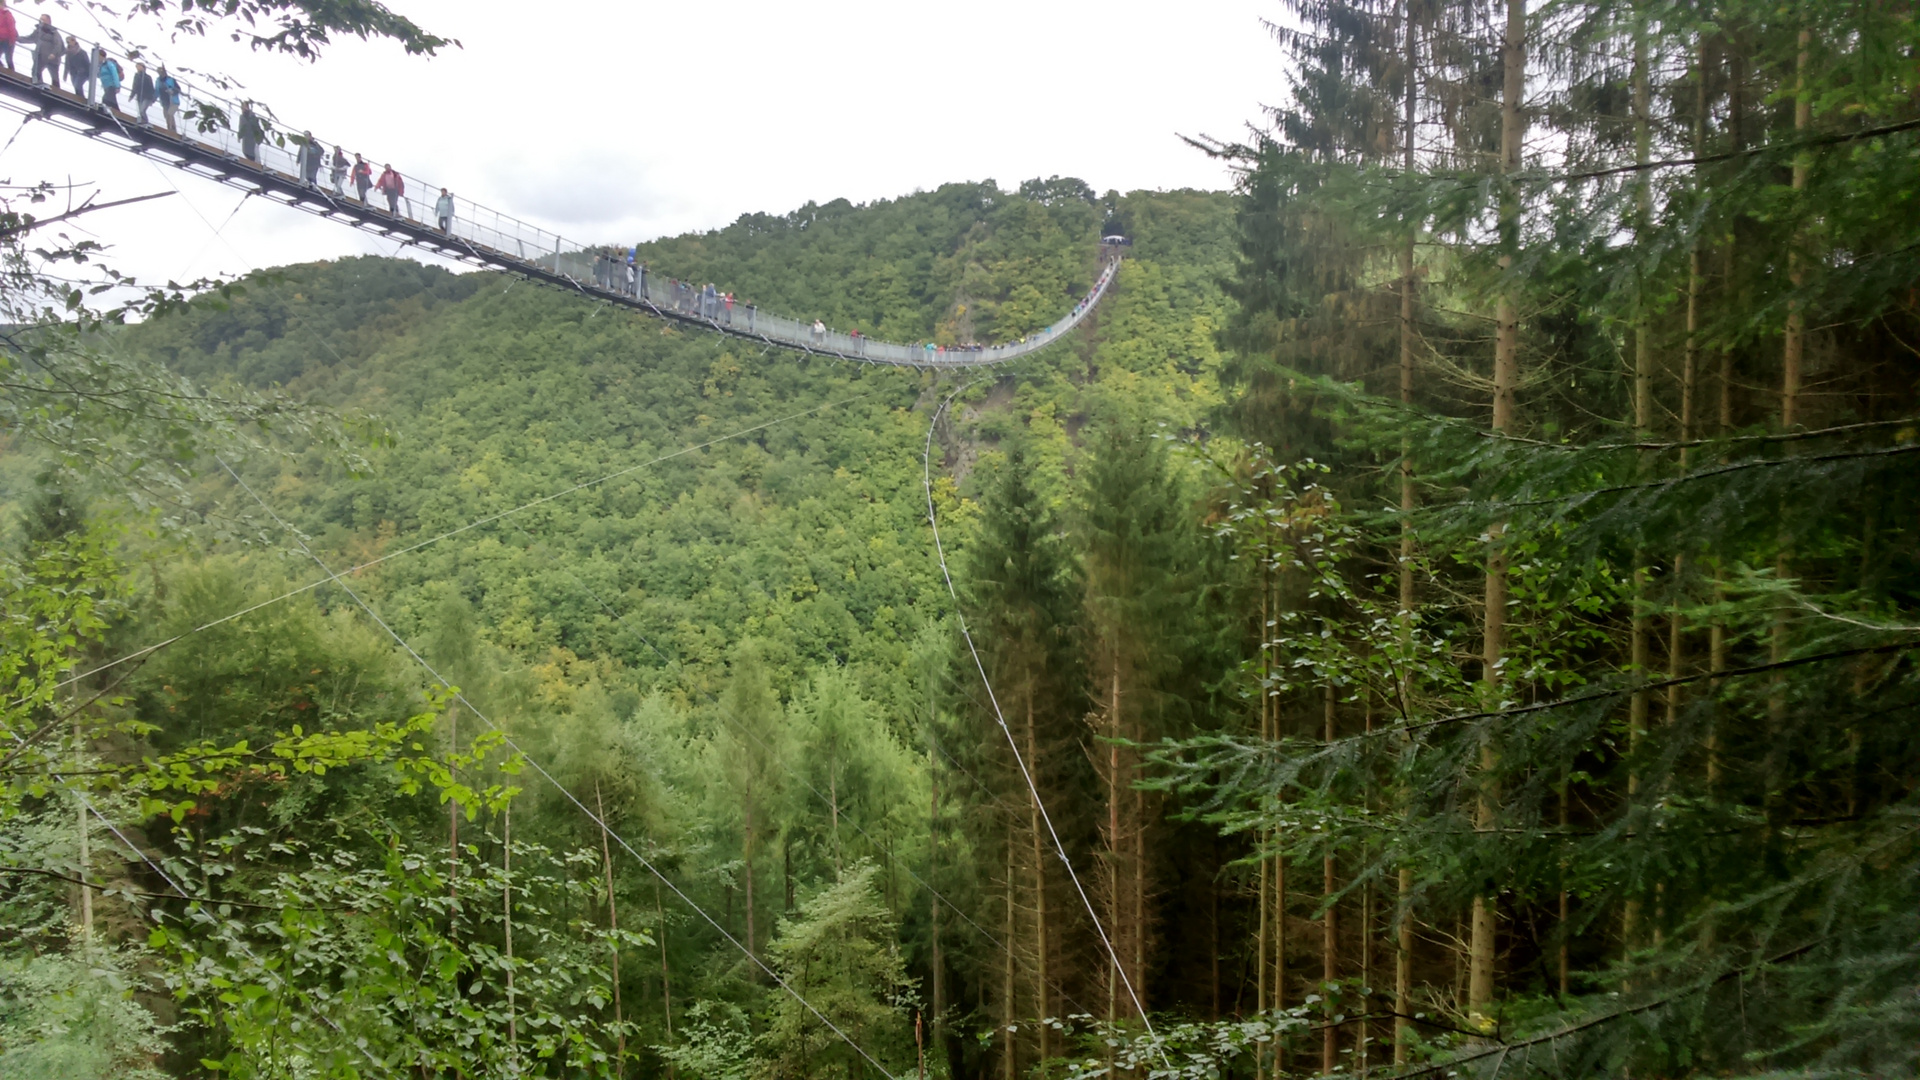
{"x": 214, "y": 120}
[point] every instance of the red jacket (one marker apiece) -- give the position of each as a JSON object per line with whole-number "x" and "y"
{"x": 390, "y": 183}
{"x": 9, "y": 33}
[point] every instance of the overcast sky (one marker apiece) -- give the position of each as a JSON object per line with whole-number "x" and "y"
{"x": 620, "y": 120}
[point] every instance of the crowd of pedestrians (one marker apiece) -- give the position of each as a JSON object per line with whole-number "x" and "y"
{"x": 621, "y": 270}
{"x": 99, "y": 80}
{"x": 94, "y": 76}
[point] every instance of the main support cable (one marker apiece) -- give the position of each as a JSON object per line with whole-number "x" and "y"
{"x": 549, "y": 777}
{"x": 1059, "y": 848}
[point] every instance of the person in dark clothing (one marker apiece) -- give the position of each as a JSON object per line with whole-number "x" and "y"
{"x": 337, "y": 172}
{"x": 79, "y": 68}
{"x": 251, "y": 132}
{"x": 47, "y": 47}
{"x": 9, "y": 34}
{"x": 143, "y": 95}
{"x": 362, "y": 176}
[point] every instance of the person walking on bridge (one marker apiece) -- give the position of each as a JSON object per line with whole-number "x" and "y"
{"x": 9, "y": 34}
{"x": 362, "y": 176}
{"x": 143, "y": 95}
{"x": 251, "y": 131}
{"x": 168, "y": 88}
{"x": 392, "y": 187}
{"x": 79, "y": 69}
{"x": 337, "y": 172}
{"x": 46, "y": 51}
{"x": 443, "y": 211}
{"x": 307, "y": 161}
{"x": 108, "y": 70}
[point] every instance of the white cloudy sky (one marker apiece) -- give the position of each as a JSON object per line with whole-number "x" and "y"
{"x": 627, "y": 119}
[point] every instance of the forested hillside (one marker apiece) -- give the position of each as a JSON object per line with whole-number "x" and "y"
{"x": 1449, "y": 610}
{"x": 739, "y": 641}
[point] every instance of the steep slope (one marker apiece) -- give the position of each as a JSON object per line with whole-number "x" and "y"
{"x": 809, "y": 532}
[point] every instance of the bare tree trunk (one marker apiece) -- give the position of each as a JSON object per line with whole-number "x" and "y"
{"x": 1565, "y": 910}
{"x": 1041, "y": 1011}
{"x": 1506, "y": 377}
{"x": 1403, "y": 953}
{"x": 1262, "y": 948}
{"x": 1640, "y": 643}
{"x": 1329, "y": 931}
{"x": 666, "y": 973}
{"x": 1792, "y": 356}
{"x": 938, "y": 973}
{"x": 1403, "y": 972}
{"x": 86, "y": 834}
{"x": 613, "y": 927}
{"x": 506, "y": 916}
{"x": 1717, "y": 646}
{"x": 453, "y": 827}
{"x": 1007, "y": 1006}
{"x": 1116, "y": 845}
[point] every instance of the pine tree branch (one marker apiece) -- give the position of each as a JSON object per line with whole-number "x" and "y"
{"x": 1503, "y": 1048}
{"x": 1706, "y": 474}
{"x": 1634, "y": 688}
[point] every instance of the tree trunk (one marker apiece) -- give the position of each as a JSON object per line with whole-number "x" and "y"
{"x": 506, "y": 923}
{"x": 937, "y": 974}
{"x": 746, "y": 872}
{"x": 453, "y": 827}
{"x": 1039, "y": 888}
{"x": 613, "y": 927}
{"x": 1403, "y": 953}
{"x": 1116, "y": 846}
{"x": 666, "y": 973}
{"x": 1007, "y": 1009}
{"x": 1329, "y": 933}
{"x": 1506, "y": 377}
{"x": 1403, "y": 972}
{"x": 1640, "y": 644}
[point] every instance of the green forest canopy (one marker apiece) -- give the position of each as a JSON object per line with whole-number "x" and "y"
{"x": 1453, "y": 600}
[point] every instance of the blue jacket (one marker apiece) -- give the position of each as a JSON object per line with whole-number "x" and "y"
{"x": 110, "y": 74}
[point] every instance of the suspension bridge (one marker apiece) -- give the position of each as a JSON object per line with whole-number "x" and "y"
{"x": 204, "y": 139}
{"x": 206, "y": 142}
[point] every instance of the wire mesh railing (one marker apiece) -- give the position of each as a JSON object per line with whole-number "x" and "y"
{"x": 116, "y": 87}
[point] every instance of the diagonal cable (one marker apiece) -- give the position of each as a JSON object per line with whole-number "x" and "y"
{"x": 1060, "y": 849}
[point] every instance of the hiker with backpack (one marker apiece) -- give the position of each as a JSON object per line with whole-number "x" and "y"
{"x": 107, "y": 69}
{"x": 168, "y": 88}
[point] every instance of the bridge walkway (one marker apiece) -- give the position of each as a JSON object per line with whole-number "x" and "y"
{"x": 207, "y": 145}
